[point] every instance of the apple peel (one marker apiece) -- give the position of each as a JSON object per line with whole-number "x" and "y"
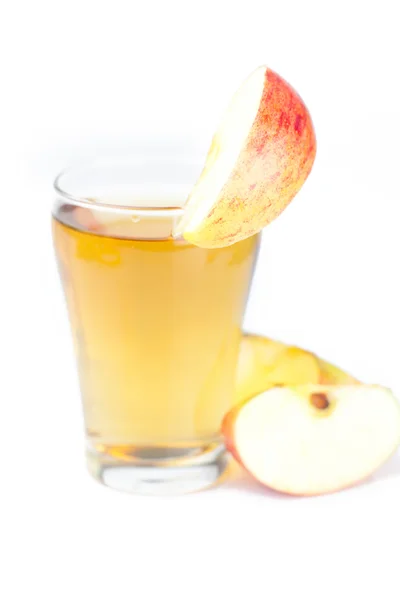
{"x": 260, "y": 156}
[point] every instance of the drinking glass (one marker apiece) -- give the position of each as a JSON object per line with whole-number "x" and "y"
{"x": 156, "y": 323}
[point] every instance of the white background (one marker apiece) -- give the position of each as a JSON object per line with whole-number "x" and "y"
{"x": 81, "y": 78}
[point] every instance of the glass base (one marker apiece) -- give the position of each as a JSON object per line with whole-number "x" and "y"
{"x": 158, "y": 471}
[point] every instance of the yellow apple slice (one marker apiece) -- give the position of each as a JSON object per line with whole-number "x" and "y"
{"x": 314, "y": 439}
{"x": 264, "y": 362}
{"x": 257, "y": 354}
{"x": 259, "y": 158}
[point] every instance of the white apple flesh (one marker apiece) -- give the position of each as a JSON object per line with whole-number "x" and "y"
{"x": 314, "y": 439}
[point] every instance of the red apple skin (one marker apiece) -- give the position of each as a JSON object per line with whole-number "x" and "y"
{"x": 227, "y": 429}
{"x": 271, "y": 168}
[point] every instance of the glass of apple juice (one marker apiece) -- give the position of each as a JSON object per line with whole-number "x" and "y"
{"x": 156, "y": 323}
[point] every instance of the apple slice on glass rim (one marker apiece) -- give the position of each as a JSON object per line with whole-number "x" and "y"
{"x": 314, "y": 439}
{"x": 259, "y": 158}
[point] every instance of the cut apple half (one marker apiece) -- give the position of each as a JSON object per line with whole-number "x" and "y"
{"x": 259, "y": 158}
{"x": 314, "y": 439}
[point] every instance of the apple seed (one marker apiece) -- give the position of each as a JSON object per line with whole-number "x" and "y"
{"x": 320, "y": 401}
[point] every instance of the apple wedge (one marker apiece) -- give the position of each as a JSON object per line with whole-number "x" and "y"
{"x": 256, "y": 355}
{"x": 259, "y": 158}
{"x": 264, "y": 363}
{"x": 314, "y": 439}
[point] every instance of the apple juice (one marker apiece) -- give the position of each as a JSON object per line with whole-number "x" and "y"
{"x": 156, "y": 328}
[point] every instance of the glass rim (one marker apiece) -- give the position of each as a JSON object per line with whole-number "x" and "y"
{"x": 121, "y": 161}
